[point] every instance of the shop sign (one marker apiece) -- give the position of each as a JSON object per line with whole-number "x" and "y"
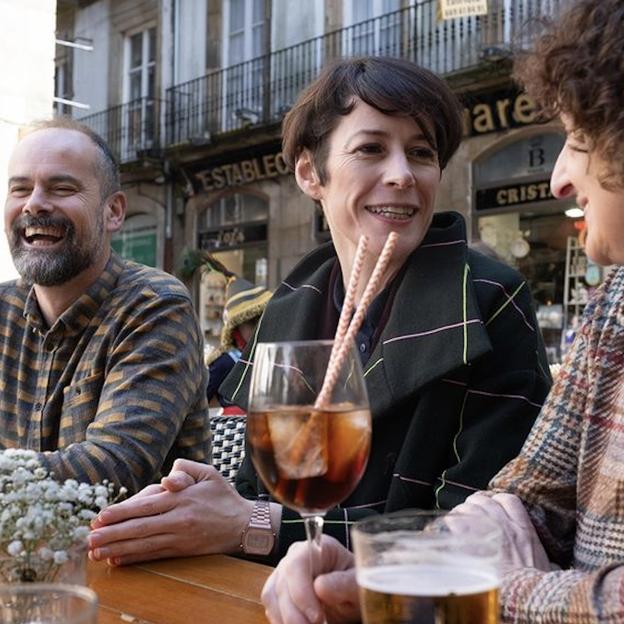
{"x": 512, "y": 194}
{"x": 530, "y": 157}
{"x": 242, "y": 172}
{"x": 497, "y": 111}
{"x": 232, "y": 237}
{"x": 451, "y": 9}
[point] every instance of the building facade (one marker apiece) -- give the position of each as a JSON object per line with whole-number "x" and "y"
{"x": 190, "y": 94}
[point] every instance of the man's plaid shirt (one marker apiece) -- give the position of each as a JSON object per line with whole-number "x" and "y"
{"x": 115, "y": 389}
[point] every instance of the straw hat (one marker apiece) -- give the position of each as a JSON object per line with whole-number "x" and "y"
{"x": 243, "y": 300}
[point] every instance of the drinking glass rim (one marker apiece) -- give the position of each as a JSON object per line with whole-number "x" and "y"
{"x": 493, "y": 531}
{"x": 67, "y": 589}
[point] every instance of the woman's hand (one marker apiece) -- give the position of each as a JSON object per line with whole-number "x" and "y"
{"x": 291, "y": 596}
{"x": 521, "y": 545}
{"x": 193, "y": 511}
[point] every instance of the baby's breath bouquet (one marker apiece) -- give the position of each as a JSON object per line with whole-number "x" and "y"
{"x": 42, "y": 521}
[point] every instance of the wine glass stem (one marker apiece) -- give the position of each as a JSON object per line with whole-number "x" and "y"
{"x": 314, "y": 531}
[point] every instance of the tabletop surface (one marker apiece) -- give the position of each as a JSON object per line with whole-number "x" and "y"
{"x": 211, "y": 588}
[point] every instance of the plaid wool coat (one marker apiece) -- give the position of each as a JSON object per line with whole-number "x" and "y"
{"x": 570, "y": 476}
{"x": 455, "y": 380}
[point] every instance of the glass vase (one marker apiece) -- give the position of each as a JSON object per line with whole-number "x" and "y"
{"x": 42, "y": 566}
{"x": 47, "y": 603}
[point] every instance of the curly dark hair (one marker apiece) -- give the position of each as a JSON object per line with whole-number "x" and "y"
{"x": 392, "y": 86}
{"x": 577, "y": 68}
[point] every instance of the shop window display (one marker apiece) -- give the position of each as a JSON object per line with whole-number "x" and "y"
{"x": 545, "y": 248}
{"x": 233, "y": 230}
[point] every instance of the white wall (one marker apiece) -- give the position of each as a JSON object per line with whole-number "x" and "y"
{"x": 27, "y": 87}
{"x": 91, "y": 68}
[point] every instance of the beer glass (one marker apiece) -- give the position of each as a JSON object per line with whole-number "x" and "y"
{"x": 47, "y": 603}
{"x": 309, "y": 458}
{"x": 428, "y": 568}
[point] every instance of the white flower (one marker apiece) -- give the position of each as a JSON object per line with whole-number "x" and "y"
{"x": 15, "y": 548}
{"x": 46, "y": 554}
{"x": 101, "y": 502}
{"x": 41, "y": 519}
{"x": 80, "y": 533}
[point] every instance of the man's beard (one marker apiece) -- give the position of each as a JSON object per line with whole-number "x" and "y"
{"x": 47, "y": 267}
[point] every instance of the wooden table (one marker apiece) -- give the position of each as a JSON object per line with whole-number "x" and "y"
{"x": 212, "y": 588}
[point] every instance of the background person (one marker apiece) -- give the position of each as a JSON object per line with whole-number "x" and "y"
{"x": 453, "y": 358}
{"x": 100, "y": 358}
{"x": 560, "y": 501}
{"x": 244, "y": 304}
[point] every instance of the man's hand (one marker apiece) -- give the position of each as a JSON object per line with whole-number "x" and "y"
{"x": 193, "y": 511}
{"x": 291, "y": 596}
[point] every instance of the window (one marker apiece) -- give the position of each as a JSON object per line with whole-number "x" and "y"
{"x": 140, "y": 92}
{"x": 138, "y": 240}
{"x": 234, "y": 230}
{"x": 233, "y": 209}
{"x": 374, "y": 27}
{"x": 244, "y": 24}
{"x": 141, "y": 48}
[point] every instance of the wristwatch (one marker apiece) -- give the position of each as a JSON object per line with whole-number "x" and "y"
{"x": 258, "y": 538}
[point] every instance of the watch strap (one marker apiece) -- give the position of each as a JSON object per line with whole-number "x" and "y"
{"x": 258, "y": 538}
{"x": 261, "y": 515}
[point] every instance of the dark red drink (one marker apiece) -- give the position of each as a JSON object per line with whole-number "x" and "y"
{"x": 310, "y": 460}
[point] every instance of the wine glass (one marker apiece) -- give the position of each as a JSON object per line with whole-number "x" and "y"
{"x": 309, "y": 457}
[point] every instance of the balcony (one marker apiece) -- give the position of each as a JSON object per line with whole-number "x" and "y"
{"x": 260, "y": 91}
{"x": 131, "y": 130}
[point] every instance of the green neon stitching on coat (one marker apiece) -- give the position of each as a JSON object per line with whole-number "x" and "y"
{"x": 438, "y": 490}
{"x": 465, "y": 306}
{"x": 515, "y": 292}
{"x": 251, "y": 356}
{"x": 461, "y": 426}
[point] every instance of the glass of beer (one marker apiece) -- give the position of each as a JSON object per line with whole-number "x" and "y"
{"x": 428, "y": 568}
{"x": 310, "y": 458}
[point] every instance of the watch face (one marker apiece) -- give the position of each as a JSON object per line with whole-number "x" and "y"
{"x": 258, "y": 541}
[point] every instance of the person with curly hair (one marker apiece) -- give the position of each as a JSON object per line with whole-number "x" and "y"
{"x": 560, "y": 503}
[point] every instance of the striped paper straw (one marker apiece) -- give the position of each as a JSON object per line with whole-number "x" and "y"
{"x": 331, "y": 376}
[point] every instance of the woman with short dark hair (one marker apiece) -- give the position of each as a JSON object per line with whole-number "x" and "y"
{"x": 453, "y": 358}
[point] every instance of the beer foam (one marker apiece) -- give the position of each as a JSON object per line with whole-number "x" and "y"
{"x": 427, "y": 580}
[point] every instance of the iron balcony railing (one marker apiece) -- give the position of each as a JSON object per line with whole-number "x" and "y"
{"x": 130, "y": 129}
{"x": 261, "y": 90}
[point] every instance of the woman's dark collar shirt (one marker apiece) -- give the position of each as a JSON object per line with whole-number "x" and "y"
{"x": 367, "y": 335}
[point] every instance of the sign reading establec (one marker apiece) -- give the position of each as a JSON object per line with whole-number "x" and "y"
{"x": 242, "y": 172}
{"x": 451, "y": 9}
